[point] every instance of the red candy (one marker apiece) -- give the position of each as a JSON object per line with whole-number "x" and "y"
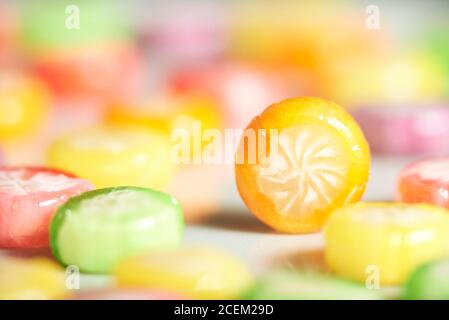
{"x": 29, "y": 198}
{"x": 425, "y": 181}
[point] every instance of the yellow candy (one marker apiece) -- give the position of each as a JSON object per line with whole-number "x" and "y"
{"x": 384, "y": 242}
{"x": 37, "y": 278}
{"x": 166, "y": 114}
{"x": 387, "y": 80}
{"x": 198, "y": 272}
{"x": 115, "y": 156}
{"x": 23, "y": 104}
{"x": 321, "y": 163}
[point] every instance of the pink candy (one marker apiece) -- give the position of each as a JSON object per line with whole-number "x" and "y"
{"x": 420, "y": 130}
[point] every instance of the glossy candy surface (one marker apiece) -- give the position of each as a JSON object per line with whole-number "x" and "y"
{"x": 385, "y": 240}
{"x": 97, "y": 229}
{"x": 303, "y": 285}
{"x": 198, "y": 272}
{"x": 425, "y": 181}
{"x": 31, "y": 279}
{"x": 29, "y": 198}
{"x": 24, "y": 103}
{"x": 429, "y": 282}
{"x": 110, "y": 157}
{"x": 320, "y": 162}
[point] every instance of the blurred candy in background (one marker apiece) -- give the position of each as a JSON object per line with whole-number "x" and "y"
{"x": 8, "y": 34}
{"x": 24, "y": 104}
{"x": 90, "y": 56}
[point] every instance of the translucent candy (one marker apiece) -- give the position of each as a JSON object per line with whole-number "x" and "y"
{"x": 97, "y": 229}
{"x": 319, "y": 161}
{"x": 381, "y": 243}
{"x": 111, "y": 157}
{"x": 425, "y": 181}
{"x": 198, "y": 272}
{"x": 29, "y": 198}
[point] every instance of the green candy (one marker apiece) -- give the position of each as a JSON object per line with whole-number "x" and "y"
{"x": 48, "y": 24}
{"x": 435, "y": 43}
{"x": 429, "y": 282}
{"x": 97, "y": 229}
{"x": 305, "y": 285}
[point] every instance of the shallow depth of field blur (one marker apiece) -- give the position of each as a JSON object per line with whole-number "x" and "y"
{"x": 222, "y": 63}
{"x": 217, "y": 62}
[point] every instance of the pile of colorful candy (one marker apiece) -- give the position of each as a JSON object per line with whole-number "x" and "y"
{"x": 308, "y": 179}
{"x": 90, "y": 176}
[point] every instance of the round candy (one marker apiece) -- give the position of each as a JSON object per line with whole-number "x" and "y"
{"x": 405, "y": 130}
{"x": 31, "y": 279}
{"x": 199, "y": 272}
{"x": 318, "y": 160}
{"x": 384, "y": 242}
{"x": 291, "y": 285}
{"x": 428, "y": 282}
{"x": 29, "y": 197}
{"x": 97, "y": 229}
{"x": 120, "y": 294}
{"x": 23, "y": 104}
{"x": 110, "y": 157}
{"x": 425, "y": 181}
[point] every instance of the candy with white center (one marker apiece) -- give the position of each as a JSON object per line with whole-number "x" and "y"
{"x": 97, "y": 229}
{"x": 425, "y": 181}
{"x": 29, "y": 198}
{"x": 381, "y": 243}
{"x": 299, "y": 160}
{"x": 287, "y": 173}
